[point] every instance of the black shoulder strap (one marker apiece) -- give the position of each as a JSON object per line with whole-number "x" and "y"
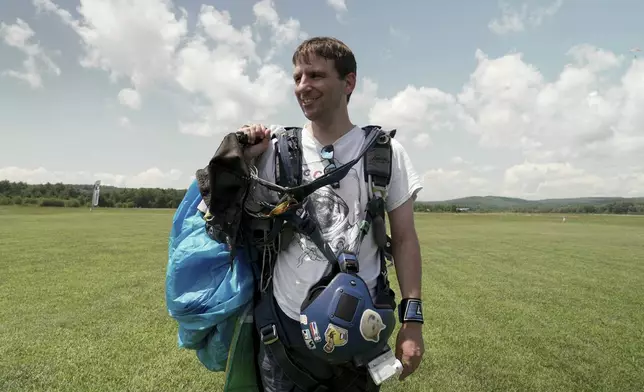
{"x": 378, "y": 160}
{"x": 288, "y": 157}
{"x": 377, "y": 170}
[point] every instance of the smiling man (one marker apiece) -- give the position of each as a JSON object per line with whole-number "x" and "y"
{"x": 325, "y": 77}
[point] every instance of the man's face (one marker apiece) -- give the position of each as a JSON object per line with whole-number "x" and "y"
{"x": 319, "y": 89}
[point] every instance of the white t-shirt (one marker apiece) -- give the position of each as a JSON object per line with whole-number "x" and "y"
{"x": 338, "y": 211}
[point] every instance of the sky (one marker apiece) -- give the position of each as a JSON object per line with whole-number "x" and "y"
{"x": 532, "y": 99}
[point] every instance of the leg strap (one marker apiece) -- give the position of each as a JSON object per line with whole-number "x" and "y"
{"x": 268, "y": 327}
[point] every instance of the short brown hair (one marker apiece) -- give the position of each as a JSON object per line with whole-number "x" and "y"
{"x": 331, "y": 49}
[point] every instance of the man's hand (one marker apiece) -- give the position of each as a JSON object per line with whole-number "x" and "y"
{"x": 410, "y": 347}
{"x": 256, "y": 133}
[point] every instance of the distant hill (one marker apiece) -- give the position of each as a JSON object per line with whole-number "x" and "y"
{"x": 499, "y": 203}
{"x": 483, "y": 202}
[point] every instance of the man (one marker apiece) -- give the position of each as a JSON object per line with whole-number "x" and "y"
{"x": 325, "y": 77}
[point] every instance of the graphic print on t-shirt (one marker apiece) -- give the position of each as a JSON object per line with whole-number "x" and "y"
{"x": 338, "y": 220}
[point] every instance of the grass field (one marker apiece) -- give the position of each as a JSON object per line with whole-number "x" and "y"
{"x": 512, "y": 303}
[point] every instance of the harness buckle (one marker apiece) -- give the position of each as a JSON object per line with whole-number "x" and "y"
{"x": 378, "y": 186}
{"x": 348, "y": 262}
{"x": 303, "y": 222}
{"x": 379, "y": 190}
{"x": 269, "y": 334}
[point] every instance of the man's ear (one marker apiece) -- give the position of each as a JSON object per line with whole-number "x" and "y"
{"x": 350, "y": 83}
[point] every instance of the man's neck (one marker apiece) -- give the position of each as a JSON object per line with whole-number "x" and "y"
{"x": 328, "y": 133}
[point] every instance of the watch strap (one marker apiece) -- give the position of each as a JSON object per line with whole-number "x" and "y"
{"x": 410, "y": 310}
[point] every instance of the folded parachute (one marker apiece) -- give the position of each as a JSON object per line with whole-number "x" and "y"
{"x": 205, "y": 293}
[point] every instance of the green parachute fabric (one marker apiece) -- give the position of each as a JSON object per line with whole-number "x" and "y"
{"x": 241, "y": 374}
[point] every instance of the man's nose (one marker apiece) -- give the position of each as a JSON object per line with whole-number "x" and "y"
{"x": 303, "y": 85}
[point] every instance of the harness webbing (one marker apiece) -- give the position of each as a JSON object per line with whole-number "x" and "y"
{"x": 293, "y": 209}
{"x": 293, "y": 206}
{"x": 300, "y": 192}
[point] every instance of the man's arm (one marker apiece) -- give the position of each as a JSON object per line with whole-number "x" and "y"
{"x": 406, "y": 250}
{"x": 405, "y": 185}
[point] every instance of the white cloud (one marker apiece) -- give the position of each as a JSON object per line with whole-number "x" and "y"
{"x": 217, "y": 25}
{"x": 579, "y": 134}
{"x": 556, "y": 179}
{"x": 515, "y": 20}
{"x": 150, "y": 178}
{"x": 220, "y": 74}
{"x": 282, "y": 33}
{"x": 154, "y": 177}
{"x": 19, "y": 35}
{"x": 338, "y": 5}
{"x": 129, "y": 97}
{"x": 443, "y": 184}
{"x": 459, "y": 161}
{"x": 417, "y": 110}
{"x": 364, "y": 95}
{"x": 422, "y": 140}
{"x": 514, "y": 107}
{"x": 134, "y": 40}
{"x": 340, "y": 8}
{"x": 152, "y": 46}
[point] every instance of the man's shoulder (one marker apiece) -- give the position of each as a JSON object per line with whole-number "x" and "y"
{"x": 396, "y": 146}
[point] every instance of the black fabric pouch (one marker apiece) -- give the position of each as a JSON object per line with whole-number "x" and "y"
{"x": 224, "y": 185}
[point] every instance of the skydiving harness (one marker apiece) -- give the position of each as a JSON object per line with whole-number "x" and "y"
{"x": 293, "y": 211}
{"x": 270, "y": 229}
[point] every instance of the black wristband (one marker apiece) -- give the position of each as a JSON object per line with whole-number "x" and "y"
{"x": 410, "y": 310}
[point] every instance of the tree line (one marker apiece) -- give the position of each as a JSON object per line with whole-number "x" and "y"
{"x": 80, "y": 195}
{"x": 72, "y": 195}
{"x": 614, "y": 207}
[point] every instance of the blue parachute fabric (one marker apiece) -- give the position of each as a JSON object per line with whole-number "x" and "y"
{"x": 204, "y": 293}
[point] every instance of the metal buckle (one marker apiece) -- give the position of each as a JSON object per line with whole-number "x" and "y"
{"x": 269, "y": 334}
{"x": 383, "y": 138}
{"x": 348, "y": 262}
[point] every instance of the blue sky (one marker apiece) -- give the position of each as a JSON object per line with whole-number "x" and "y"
{"x": 531, "y": 99}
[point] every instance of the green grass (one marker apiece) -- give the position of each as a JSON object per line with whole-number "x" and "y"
{"x": 512, "y": 303}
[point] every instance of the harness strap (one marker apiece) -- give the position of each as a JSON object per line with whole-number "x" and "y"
{"x": 299, "y": 376}
{"x": 300, "y": 192}
{"x": 377, "y": 170}
{"x": 303, "y": 223}
{"x": 378, "y": 160}
{"x": 377, "y": 173}
{"x": 268, "y": 325}
{"x": 288, "y": 161}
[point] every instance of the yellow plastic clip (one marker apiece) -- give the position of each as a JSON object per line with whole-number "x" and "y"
{"x": 280, "y": 208}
